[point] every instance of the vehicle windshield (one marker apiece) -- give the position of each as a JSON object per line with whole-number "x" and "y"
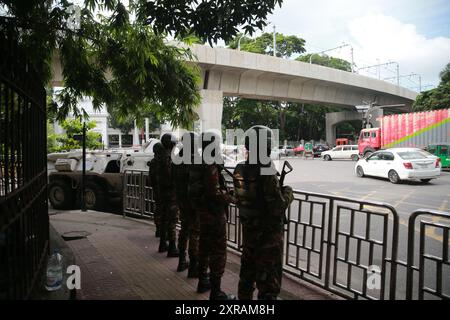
{"x": 409, "y": 155}
{"x": 425, "y": 153}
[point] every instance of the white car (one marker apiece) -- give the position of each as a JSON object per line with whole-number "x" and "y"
{"x": 398, "y": 164}
{"x": 341, "y": 152}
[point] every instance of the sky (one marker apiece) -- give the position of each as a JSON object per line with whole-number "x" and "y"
{"x": 413, "y": 33}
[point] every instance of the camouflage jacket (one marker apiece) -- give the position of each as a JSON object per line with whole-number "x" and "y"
{"x": 180, "y": 176}
{"x": 207, "y": 188}
{"x": 164, "y": 167}
{"x": 259, "y": 197}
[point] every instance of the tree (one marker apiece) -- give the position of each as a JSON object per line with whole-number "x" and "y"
{"x": 128, "y": 42}
{"x": 437, "y": 98}
{"x": 327, "y": 61}
{"x": 126, "y": 122}
{"x": 70, "y": 139}
{"x": 286, "y": 45}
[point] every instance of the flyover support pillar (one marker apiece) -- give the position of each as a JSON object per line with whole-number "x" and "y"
{"x": 335, "y": 118}
{"x": 210, "y": 110}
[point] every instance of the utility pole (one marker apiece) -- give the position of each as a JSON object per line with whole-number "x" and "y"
{"x": 83, "y": 175}
{"x": 398, "y": 75}
{"x": 353, "y": 60}
{"x": 378, "y": 65}
{"x": 274, "y": 42}
{"x": 409, "y": 77}
{"x": 339, "y": 47}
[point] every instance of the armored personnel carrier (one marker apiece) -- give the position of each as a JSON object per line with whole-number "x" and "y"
{"x": 104, "y": 175}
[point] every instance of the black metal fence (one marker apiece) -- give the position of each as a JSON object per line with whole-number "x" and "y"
{"x": 23, "y": 170}
{"x": 346, "y": 246}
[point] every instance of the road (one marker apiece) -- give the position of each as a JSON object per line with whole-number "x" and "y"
{"x": 337, "y": 178}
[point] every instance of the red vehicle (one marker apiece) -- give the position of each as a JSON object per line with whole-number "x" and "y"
{"x": 299, "y": 149}
{"x": 413, "y": 130}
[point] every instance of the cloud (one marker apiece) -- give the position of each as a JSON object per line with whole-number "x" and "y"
{"x": 378, "y": 36}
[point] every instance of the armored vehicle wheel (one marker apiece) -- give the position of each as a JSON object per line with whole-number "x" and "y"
{"x": 94, "y": 196}
{"x": 60, "y": 194}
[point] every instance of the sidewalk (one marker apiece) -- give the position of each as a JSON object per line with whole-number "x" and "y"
{"x": 119, "y": 260}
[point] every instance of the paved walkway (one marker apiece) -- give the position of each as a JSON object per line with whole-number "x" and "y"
{"x": 119, "y": 260}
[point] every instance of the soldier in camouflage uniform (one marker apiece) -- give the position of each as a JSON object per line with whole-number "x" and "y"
{"x": 210, "y": 198}
{"x": 169, "y": 208}
{"x": 262, "y": 203}
{"x": 190, "y": 227}
{"x": 158, "y": 151}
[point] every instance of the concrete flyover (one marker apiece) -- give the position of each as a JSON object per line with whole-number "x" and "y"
{"x": 256, "y": 76}
{"x": 227, "y": 72}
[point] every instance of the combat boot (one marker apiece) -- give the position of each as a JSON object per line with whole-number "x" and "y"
{"x": 162, "y": 244}
{"x": 172, "y": 252}
{"x": 216, "y": 293}
{"x": 203, "y": 283}
{"x": 183, "y": 264}
{"x": 193, "y": 268}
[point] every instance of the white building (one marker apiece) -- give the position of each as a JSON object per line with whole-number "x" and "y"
{"x": 113, "y": 138}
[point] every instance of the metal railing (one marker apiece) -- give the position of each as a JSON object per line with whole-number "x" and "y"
{"x": 417, "y": 261}
{"x": 24, "y": 225}
{"x": 346, "y": 246}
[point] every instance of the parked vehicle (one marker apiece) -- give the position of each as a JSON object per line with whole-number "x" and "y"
{"x": 442, "y": 151}
{"x": 275, "y": 154}
{"x": 341, "y": 152}
{"x": 319, "y": 148}
{"x": 413, "y": 130}
{"x": 287, "y": 151}
{"x": 399, "y": 164}
{"x": 104, "y": 176}
{"x": 299, "y": 149}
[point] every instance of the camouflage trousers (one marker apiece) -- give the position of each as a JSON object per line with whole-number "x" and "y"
{"x": 169, "y": 219}
{"x": 261, "y": 261}
{"x": 157, "y": 215}
{"x": 213, "y": 243}
{"x": 190, "y": 229}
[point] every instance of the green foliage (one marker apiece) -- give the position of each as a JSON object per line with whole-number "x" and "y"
{"x": 286, "y": 45}
{"x": 245, "y": 113}
{"x": 437, "y": 98}
{"x": 67, "y": 142}
{"x": 125, "y": 122}
{"x": 327, "y": 61}
{"x": 128, "y": 43}
{"x": 52, "y": 144}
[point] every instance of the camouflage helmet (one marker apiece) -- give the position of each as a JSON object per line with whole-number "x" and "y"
{"x": 168, "y": 140}
{"x": 158, "y": 148}
{"x": 259, "y": 135}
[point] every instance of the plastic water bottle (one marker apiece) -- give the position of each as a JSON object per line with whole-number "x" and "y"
{"x": 54, "y": 272}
